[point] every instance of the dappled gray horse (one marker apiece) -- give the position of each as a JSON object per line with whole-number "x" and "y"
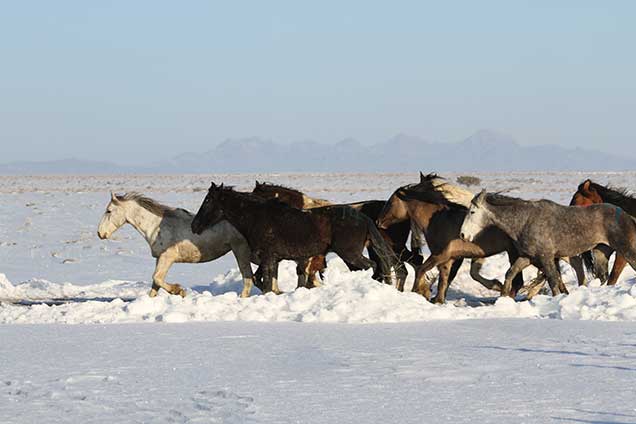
{"x": 544, "y": 230}
{"x": 167, "y": 231}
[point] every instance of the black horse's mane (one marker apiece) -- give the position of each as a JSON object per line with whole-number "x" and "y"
{"x": 277, "y": 187}
{"x": 615, "y": 195}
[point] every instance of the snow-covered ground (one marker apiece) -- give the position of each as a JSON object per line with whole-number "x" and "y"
{"x": 548, "y": 360}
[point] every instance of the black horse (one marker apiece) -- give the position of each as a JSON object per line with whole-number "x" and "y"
{"x": 395, "y": 235}
{"x": 276, "y": 231}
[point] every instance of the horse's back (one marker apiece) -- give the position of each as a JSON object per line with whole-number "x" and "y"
{"x": 175, "y": 233}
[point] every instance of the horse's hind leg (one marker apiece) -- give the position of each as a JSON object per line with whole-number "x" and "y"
{"x": 475, "y": 269}
{"x": 377, "y": 272}
{"x": 270, "y": 275}
{"x": 619, "y": 265}
{"x": 576, "y": 262}
{"x": 164, "y": 262}
{"x": 552, "y": 273}
{"x": 242, "y": 254}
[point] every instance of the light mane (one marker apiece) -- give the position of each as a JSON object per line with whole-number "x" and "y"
{"x": 148, "y": 204}
{"x": 312, "y": 202}
{"x": 452, "y": 193}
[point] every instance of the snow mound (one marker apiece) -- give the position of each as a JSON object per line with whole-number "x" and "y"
{"x": 345, "y": 297}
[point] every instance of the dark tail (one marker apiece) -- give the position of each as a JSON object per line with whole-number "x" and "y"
{"x": 588, "y": 261}
{"x": 595, "y": 263}
{"x": 387, "y": 256}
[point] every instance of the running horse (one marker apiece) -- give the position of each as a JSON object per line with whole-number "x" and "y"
{"x": 544, "y": 231}
{"x": 395, "y": 235}
{"x": 590, "y": 193}
{"x": 438, "y": 209}
{"x": 276, "y": 231}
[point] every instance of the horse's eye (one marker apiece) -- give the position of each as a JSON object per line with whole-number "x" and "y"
{"x": 472, "y": 212}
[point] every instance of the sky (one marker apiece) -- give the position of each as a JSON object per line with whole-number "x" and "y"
{"x": 133, "y": 82}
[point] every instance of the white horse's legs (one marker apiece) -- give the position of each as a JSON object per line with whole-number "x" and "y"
{"x": 242, "y": 254}
{"x": 164, "y": 262}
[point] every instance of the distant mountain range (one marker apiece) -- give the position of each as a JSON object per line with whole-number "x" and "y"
{"x": 483, "y": 151}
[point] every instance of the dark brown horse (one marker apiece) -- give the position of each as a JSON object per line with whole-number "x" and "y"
{"x": 276, "y": 231}
{"x": 437, "y": 208}
{"x": 395, "y": 235}
{"x": 589, "y": 193}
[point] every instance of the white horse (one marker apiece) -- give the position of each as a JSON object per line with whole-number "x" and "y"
{"x": 167, "y": 231}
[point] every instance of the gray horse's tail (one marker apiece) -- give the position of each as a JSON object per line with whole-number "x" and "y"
{"x": 387, "y": 256}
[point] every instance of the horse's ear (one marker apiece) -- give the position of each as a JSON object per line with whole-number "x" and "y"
{"x": 422, "y": 177}
{"x": 113, "y": 198}
{"x": 212, "y": 185}
{"x": 587, "y": 186}
{"x": 479, "y": 199}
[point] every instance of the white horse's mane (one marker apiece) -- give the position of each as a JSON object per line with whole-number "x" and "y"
{"x": 151, "y": 205}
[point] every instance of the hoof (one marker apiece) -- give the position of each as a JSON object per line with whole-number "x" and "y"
{"x": 177, "y": 289}
{"x": 153, "y": 293}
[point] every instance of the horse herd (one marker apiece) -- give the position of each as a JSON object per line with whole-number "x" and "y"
{"x": 273, "y": 223}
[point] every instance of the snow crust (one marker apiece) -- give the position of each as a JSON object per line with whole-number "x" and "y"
{"x": 345, "y": 297}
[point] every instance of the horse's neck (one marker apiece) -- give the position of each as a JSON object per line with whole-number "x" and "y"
{"x": 239, "y": 212}
{"x": 421, "y": 213}
{"x": 624, "y": 202}
{"x": 144, "y": 221}
{"x": 510, "y": 219}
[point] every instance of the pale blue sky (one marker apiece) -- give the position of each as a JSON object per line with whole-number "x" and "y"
{"x": 134, "y": 81}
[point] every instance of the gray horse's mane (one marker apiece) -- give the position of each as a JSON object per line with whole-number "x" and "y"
{"x": 498, "y": 199}
{"x": 151, "y": 205}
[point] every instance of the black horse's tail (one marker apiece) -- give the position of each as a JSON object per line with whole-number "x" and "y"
{"x": 387, "y": 256}
{"x": 595, "y": 266}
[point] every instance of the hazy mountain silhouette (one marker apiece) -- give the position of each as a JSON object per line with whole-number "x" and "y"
{"x": 485, "y": 150}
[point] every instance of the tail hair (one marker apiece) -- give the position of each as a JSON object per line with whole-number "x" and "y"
{"x": 387, "y": 256}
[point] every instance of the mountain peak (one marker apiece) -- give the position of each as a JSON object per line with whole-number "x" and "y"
{"x": 490, "y": 138}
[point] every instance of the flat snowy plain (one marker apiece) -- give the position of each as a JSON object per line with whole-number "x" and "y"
{"x": 351, "y": 351}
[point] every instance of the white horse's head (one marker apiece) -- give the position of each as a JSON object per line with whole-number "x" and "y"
{"x": 477, "y": 218}
{"x": 113, "y": 219}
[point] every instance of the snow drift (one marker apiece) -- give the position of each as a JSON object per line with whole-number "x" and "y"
{"x": 345, "y": 297}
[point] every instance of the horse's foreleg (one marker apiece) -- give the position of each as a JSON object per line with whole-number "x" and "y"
{"x": 517, "y": 266}
{"x": 421, "y": 284}
{"x": 475, "y": 269}
{"x": 164, "y": 262}
{"x": 562, "y": 287}
{"x": 619, "y": 265}
{"x": 447, "y": 272}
